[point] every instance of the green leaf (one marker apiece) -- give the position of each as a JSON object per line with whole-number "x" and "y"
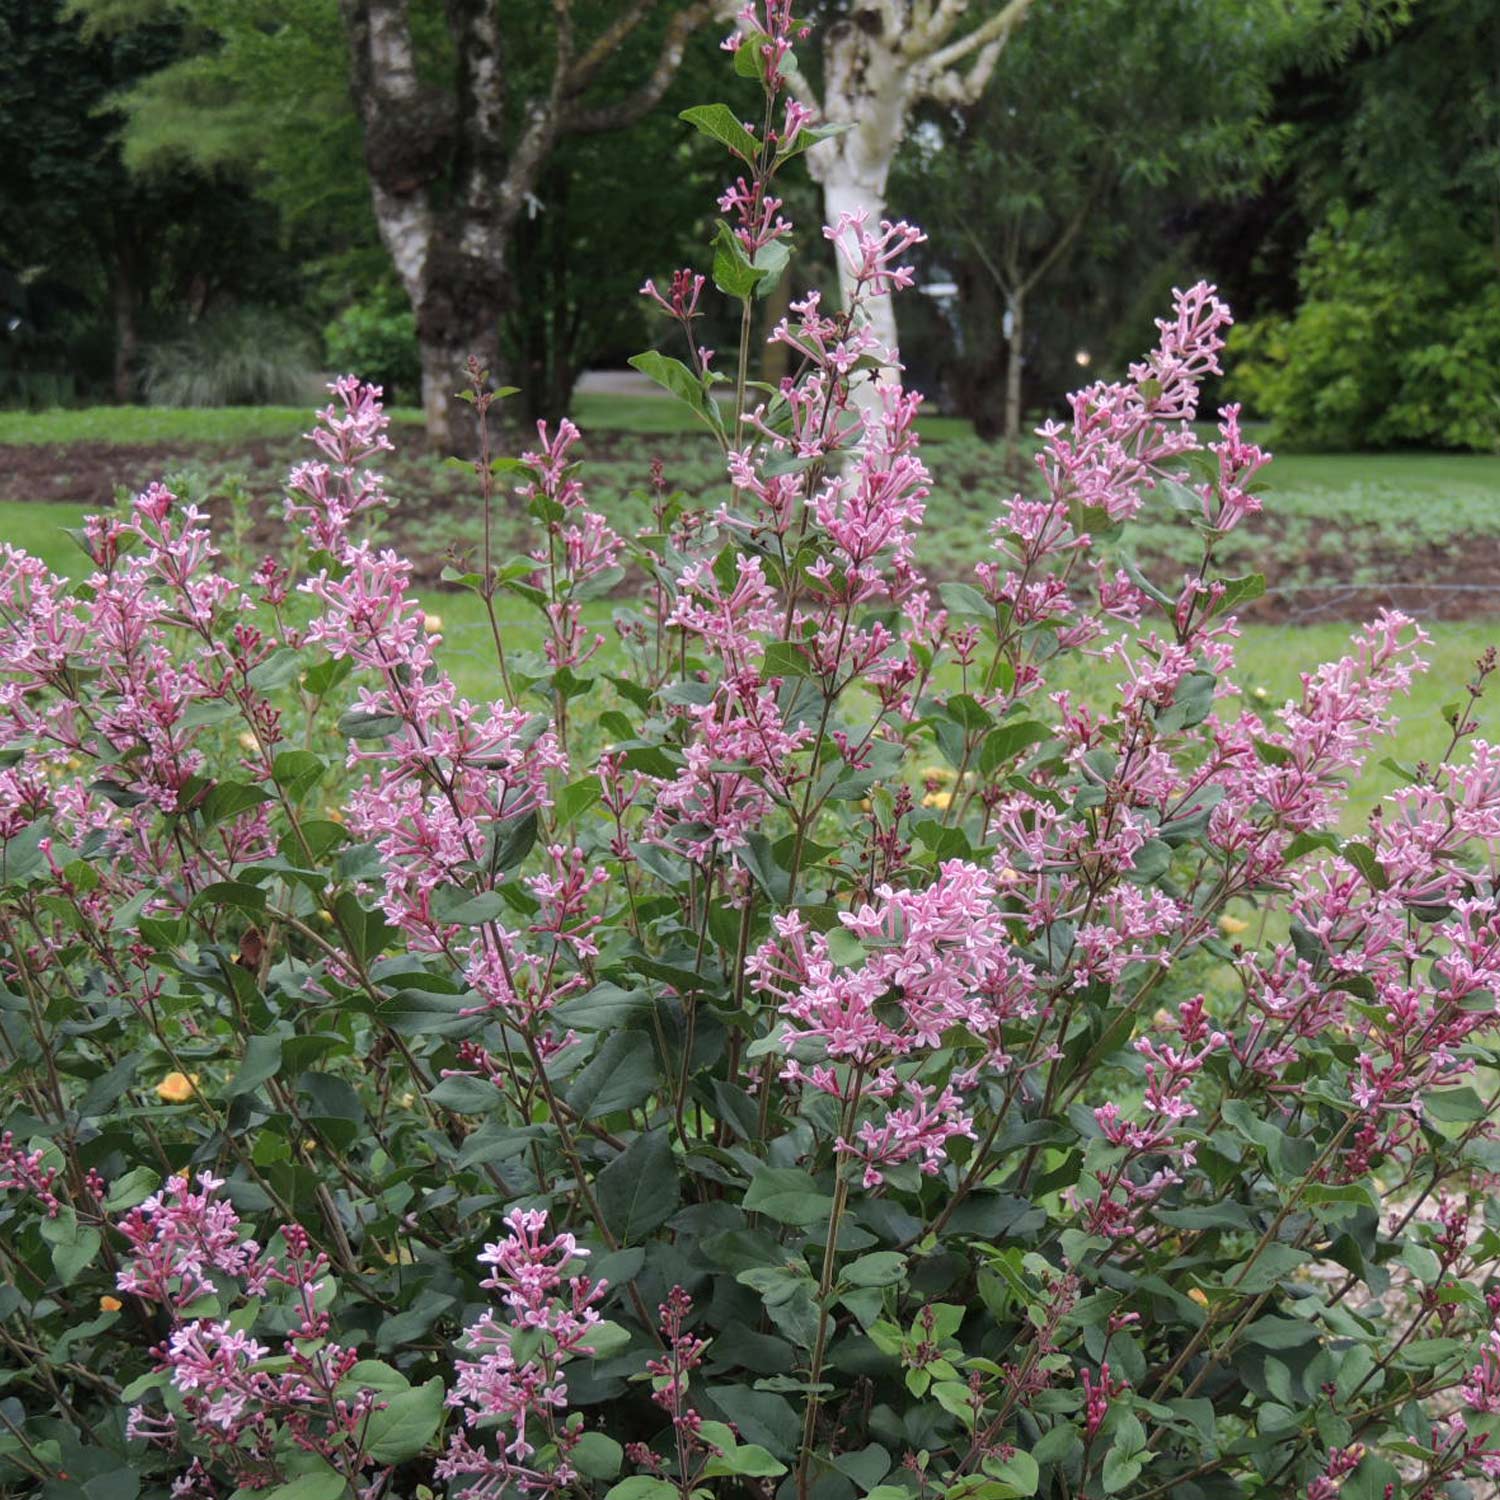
{"x": 882, "y": 1268}
{"x": 747, "y": 1459}
{"x": 228, "y": 799}
{"x": 360, "y": 725}
{"x": 230, "y": 893}
{"x": 278, "y": 669}
{"x": 785, "y": 659}
{"x": 464, "y": 908}
{"x": 1120, "y": 1469}
{"x": 466, "y": 1095}
{"x": 1460, "y": 1106}
{"x": 639, "y": 1191}
{"x": 1056, "y": 1444}
{"x": 1363, "y": 858}
{"x": 643, "y": 1487}
{"x": 621, "y": 1075}
{"x": 325, "y": 1485}
{"x": 788, "y": 1195}
{"x": 674, "y": 376}
{"x": 734, "y": 274}
{"x": 720, "y": 123}
{"x": 1273, "y": 1263}
{"x": 965, "y": 599}
{"x": 762, "y": 1417}
{"x": 596, "y": 1456}
{"x": 262, "y": 1061}
{"x": 296, "y": 772}
{"x": 134, "y": 1187}
{"x": 1019, "y": 1474}
{"x": 573, "y": 801}
{"x": 406, "y": 1424}
{"x": 1003, "y": 744}
{"x": 74, "y": 1245}
{"x": 1238, "y": 591}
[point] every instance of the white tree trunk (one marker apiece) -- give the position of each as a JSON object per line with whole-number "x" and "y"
{"x": 843, "y": 196}
{"x": 866, "y": 88}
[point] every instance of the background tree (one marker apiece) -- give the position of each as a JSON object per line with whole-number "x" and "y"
{"x": 1017, "y": 195}
{"x": 101, "y": 257}
{"x": 1392, "y": 209}
{"x": 454, "y": 163}
{"x": 877, "y": 61}
{"x": 266, "y": 92}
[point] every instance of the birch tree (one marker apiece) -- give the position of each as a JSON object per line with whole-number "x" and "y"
{"x": 453, "y": 168}
{"x": 880, "y": 60}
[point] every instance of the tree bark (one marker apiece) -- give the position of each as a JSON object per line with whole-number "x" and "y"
{"x": 127, "y": 332}
{"x": 446, "y": 183}
{"x": 978, "y": 382}
{"x": 1015, "y": 358}
{"x": 879, "y": 60}
{"x": 866, "y": 88}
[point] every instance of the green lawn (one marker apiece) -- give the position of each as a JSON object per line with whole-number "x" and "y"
{"x": 145, "y": 426}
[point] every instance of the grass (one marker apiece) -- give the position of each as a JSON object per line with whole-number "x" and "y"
{"x": 1351, "y": 518}
{"x": 150, "y": 426}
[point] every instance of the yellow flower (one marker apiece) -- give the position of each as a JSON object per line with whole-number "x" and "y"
{"x": 1199, "y": 1296}
{"x": 177, "y": 1088}
{"x": 110, "y": 1304}
{"x": 936, "y": 773}
{"x": 1232, "y": 926}
{"x": 938, "y": 799}
{"x": 432, "y": 623}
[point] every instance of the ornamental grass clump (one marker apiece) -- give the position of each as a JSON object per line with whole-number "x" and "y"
{"x": 819, "y": 1036}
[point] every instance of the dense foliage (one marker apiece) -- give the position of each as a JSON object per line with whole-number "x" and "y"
{"x": 1391, "y": 334}
{"x": 1393, "y": 343}
{"x": 834, "y": 1057}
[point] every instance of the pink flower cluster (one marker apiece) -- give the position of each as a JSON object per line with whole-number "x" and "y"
{"x": 546, "y": 1302}
{"x": 187, "y": 1247}
{"x": 936, "y": 959}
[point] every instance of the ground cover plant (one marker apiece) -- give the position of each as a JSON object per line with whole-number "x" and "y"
{"x": 807, "y": 1048}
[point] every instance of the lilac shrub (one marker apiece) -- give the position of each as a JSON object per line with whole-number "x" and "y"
{"x": 825, "y": 1036}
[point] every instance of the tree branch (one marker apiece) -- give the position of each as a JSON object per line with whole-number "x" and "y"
{"x": 936, "y": 78}
{"x": 1060, "y": 244}
{"x": 575, "y": 120}
{"x": 606, "y": 44}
